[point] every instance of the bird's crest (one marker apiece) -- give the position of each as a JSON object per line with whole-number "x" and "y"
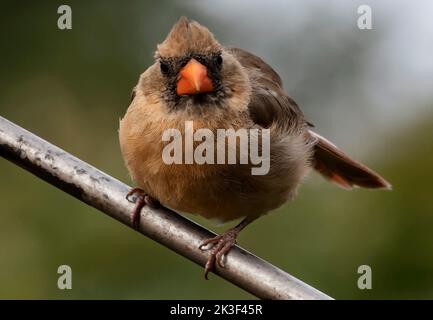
{"x": 187, "y": 37}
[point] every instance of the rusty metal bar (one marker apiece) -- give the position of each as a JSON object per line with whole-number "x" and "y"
{"x": 172, "y": 230}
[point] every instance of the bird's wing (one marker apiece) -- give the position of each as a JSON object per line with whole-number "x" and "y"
{"x": 269, "y": 103}
{"x": 339, "y": 168}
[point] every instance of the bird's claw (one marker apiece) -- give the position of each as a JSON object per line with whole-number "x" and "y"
{"x": 140, "y": 198}
{"x": 221, "y": 245}
{"x": 134, "y": 194}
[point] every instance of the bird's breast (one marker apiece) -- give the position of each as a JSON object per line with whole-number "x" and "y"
{"x": 219, "y": 190}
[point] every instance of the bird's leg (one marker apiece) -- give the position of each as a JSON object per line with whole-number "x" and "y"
{"x": 141, "y": 199}
{"x": 222, "y": 244}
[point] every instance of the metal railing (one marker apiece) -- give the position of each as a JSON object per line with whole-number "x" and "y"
{"x": 170, "y": 229}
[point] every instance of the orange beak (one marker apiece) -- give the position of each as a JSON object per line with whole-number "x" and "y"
{"x": 193, "y": 79}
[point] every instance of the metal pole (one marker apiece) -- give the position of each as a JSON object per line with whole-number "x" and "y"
{"x": 172, "y": 230}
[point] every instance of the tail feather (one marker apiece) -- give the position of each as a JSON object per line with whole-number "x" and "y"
{"x": 339, "y": 168}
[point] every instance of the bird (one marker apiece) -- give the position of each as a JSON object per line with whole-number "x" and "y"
{"x": 195, "y": 78}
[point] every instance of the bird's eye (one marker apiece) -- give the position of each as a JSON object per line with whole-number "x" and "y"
{"x": 164, "y": 67}
{"x": 218, "y": 60}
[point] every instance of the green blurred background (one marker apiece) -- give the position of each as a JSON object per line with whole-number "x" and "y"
{"x": 370, "y": 91}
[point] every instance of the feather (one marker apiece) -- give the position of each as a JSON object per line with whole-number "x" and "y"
{"x": 339, "y": 168}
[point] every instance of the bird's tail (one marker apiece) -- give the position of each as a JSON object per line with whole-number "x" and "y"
{"x": 339, "y": 168}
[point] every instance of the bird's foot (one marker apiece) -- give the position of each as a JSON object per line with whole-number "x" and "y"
{"x": 221, "y": 245}
{"x": 141, "y": 199}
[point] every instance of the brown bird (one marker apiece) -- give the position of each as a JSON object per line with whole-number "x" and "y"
{"x": 194, "y": 78}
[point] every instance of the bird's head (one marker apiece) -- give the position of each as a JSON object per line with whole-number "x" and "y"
{"x": 192, "y": 71}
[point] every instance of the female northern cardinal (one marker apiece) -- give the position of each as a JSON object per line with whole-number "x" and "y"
{"x": 196, "y": 79}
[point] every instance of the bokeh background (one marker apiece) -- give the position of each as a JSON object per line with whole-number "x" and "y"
{"x": 370, "y": 91}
